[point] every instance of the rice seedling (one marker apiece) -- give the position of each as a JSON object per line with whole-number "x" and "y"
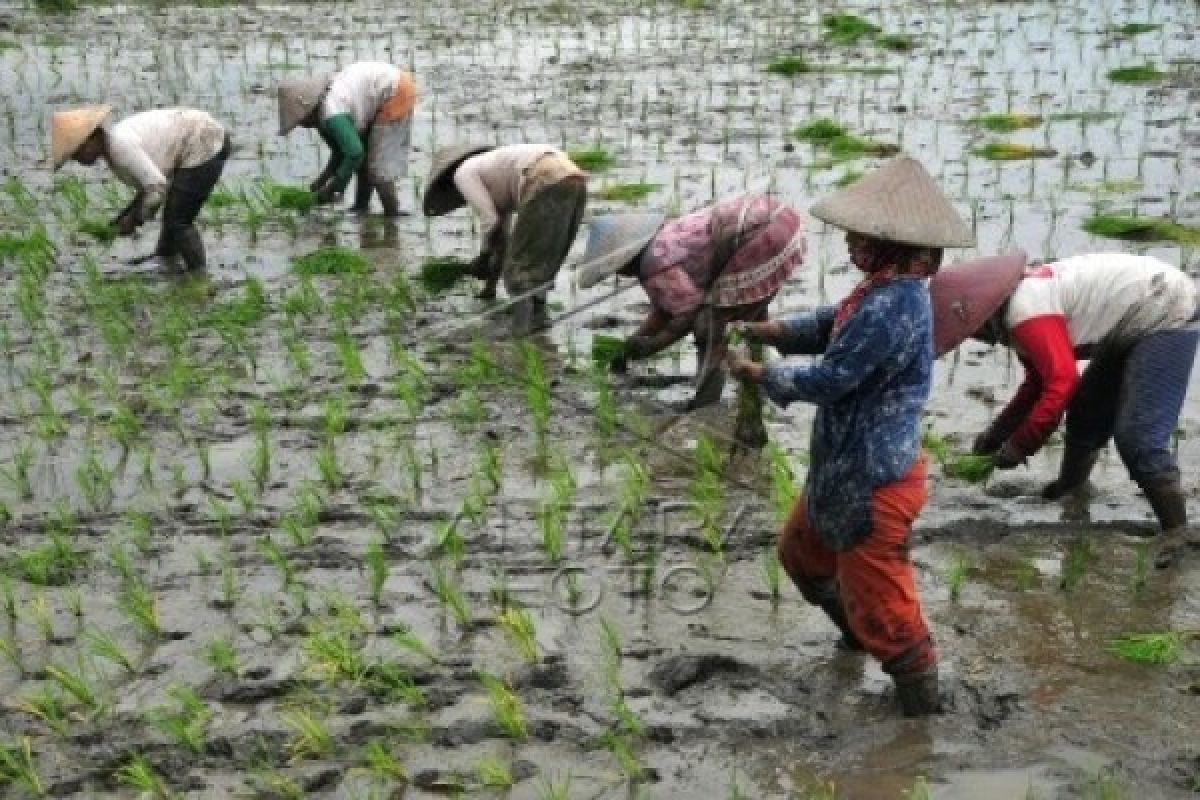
{"x": 221, "y": 656}
{"x": 288, "y": 198}
{"x": 519, "y": 629}
{"x": 1141, "y": 229}
{"x": 378, "y": 759}
{"x": 622, "y": 753}
{"x": 76, "y": 685}
{"x": 54, "y": 563}
{"x": 773, "y": 575}
{"x": 1147, "y": 648}
{"x": 847, "y": 28}
{"x": 1143, "y": 73}
{"x": 99, "y": 229}
{"x": 1012, "y": 151}
{"x": 1141, "y": 567}
{"x": 46, "y": 703}
{"x": 440, "y": 274}
{"x": 138, "y": 775}
{"x": 310, "y": 736}
{"x": 136, "y": 601}
{"x": 450, "y": 595}
{"x": 631, "y": 193}
{"x": 406, "y": 639}
{"x": 1006, "y": 122}
{"x": 919, "y": 790}
{"x": 605, "y": 414}
{"x": 9, "y": 595}
{"x": 1075, "y": 563}
{"x": 956, "y": 574}
{"x": 1104, "y": 785}
{"x": 783, "y": 482}
{"x": 839, "y": 142}
{"x": 331, "y": 261}
{"x": 592, "y": 159}
{"x": 278, "y": 559}
{"x": 556, "y": 788}
{"x": 186, "y": 722}
{"x": 848, "y": 177}
{"x": 327, "y": 466}
{"x": 492, "y": 773}
{"x": 505, "y": 706}
{"x": 1135, "y": 28}
{"x": 375, "y": 560}
{"x": 969, "y": 467}
{"x": 18, "y": 768}
{"x": 607, "y": 349}
{"x": 789, "y": 66}
{"x": 332, "y": 655}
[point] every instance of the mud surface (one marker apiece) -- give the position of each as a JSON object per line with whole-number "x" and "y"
{"x": 225, "y": 461}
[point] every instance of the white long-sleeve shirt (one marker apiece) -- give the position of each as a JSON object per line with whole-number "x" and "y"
{"x": 359, "y": 90}
{"x": 145, "y": 149}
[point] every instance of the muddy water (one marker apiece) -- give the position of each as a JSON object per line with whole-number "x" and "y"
{"x": 731, "y": 691}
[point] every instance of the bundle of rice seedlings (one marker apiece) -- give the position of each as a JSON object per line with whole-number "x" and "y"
{"x": 439, "y": 274}
{"x": 331, "y": 261}
{"x": 290, "y": 198}
{"x": 607, "y": 349}
{"x": 968, "y": 467}
{"x": 99, "y": 229}
{"x": 1147, "y": 648}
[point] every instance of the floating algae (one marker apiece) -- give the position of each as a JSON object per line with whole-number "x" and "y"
{"x": 1141, "y": 229}
{"x": 439, "y": 274}
{"x": 607, "y": 349}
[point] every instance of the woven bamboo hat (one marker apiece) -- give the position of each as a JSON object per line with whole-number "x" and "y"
{"x": 70, "y": 129}
{"x": 898, "y": 202}
{"x": 965, "y": 295}
{"x": 613, "y": 241}
{"x": 441, "y": 195}
{"x": 297, "y": 99}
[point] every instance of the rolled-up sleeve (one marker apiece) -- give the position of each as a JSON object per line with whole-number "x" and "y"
{"x": 867, "y": 339}
{"x": 134, "y": 165}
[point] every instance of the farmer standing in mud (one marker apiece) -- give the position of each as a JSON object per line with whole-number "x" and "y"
{"x": 845, "y": 545}
{"x": 1135, "y": 318}
{"x": 537, "y": 183}
{"x": 702, "y": 271}
{"x": 173, "y": 158}
{"x": 364, "y": 113}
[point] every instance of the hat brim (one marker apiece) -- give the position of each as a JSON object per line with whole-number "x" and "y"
{"x": 965, "y": 295}
{"x": 590, "y": 273}
{"x": 75, "y": 136}
{"x": 442, "y": 196}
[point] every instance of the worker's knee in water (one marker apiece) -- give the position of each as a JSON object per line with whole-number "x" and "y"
{"x": 1143, "y": 459}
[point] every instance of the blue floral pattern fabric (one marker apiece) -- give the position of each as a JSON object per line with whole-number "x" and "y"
{"x": 870, "y": 387}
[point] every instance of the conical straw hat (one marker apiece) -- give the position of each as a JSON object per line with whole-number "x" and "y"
{"x": 965, "y": 295}
{"x": 297, "y": 99}
{"x": 898, "y": 202}
{"x": 613, "y": 241}
{"x": 441, "y": 195}
{"x": 70, "y": 129}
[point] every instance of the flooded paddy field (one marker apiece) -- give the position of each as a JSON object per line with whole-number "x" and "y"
{"x": 301, "y": 527}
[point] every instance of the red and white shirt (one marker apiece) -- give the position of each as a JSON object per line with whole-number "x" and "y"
{"x": 1067, "y": 310}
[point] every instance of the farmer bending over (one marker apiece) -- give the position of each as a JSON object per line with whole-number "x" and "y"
{"x": 173, "y": 158}
{"x": 364, "y": 113}
{"x": 1135, "y": 317}
{"x": 537, "y": 183}
{"x": 702, "y": 271}
{"x": 845, "y": 545}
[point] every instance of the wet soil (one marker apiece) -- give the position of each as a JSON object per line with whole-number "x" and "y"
{"x": 664, "y": 664}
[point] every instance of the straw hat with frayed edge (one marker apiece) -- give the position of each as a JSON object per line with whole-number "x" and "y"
{"x": 70, "y": 129}
{"x": 613, "y": 241}
{"x": 297, "y": 99}
{"x": 965, "y": 295}
{"x": 898, "y": 202}
{"x": 441, "y": 195}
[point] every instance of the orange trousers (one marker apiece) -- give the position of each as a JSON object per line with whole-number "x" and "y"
{"x": 869, "y": 591}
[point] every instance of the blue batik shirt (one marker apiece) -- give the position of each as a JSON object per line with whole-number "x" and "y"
{"x": 870, "y": 386}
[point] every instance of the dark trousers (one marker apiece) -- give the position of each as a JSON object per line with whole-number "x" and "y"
{"x": 189, "y": 189}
